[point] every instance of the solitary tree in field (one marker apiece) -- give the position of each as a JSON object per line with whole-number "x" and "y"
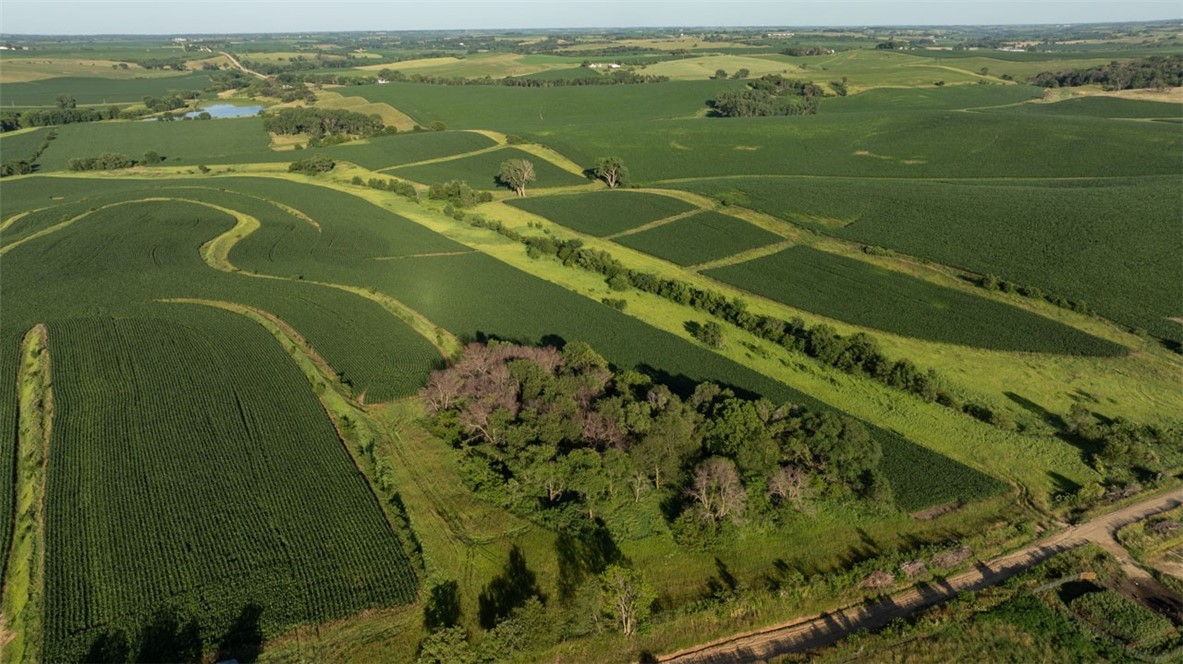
{"x": 611, "y": 170}
{"x": 65, "y": 101}
{"x": 517, "y": 173}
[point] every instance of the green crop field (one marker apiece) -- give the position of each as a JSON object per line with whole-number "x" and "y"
{"x": 1112, "y": 243}
{"x": 861, "y": 293}
{"x": 236, "y": 495}
{"x": 299, "y": 418}
{"x": 387, "y": 151}
{"x": 1103, "y": 107}
{"x": 117, "y": 346}
{"x": 911, "y": 144}
{"x": 900, "y": 100}
{"x": 186, "y": 143}
{"x": 22, "y": 146}
{"x": 541, "y": 110}
{"x": 100, "y": 91}
{"x": 480, "y": 170}
{"x": 603, "y": 213}
{"x": 699, "y": 238}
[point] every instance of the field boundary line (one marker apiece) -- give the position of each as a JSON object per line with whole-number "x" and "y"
{"x": 656, "y": 223}
{"x": 4, "y": 225}
{"x": 440, "y": 160}
{"x": 282, "y": 206}
{"x": 24, "y": 570}
{"x": 744, "y": 256}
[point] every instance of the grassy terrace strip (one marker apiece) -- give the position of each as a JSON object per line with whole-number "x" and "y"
{"x": 480, "y": 170}
{"x": 25, "y": 569}
{"x": 864, "y": 294}
{"x": 1112, "y": 243}
{"x": 893, "y": 100}
{"x": 602, "y": 213}
{"x": 699, "y": 238}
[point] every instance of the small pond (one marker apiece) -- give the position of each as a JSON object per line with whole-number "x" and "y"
{"x": 225, "y": 111}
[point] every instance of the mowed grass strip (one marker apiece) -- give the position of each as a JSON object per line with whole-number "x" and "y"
{"x": 699, "y": 238}
{"x": 602, "y": 213}
{"x": 863, "y": 294}
{"x": 480, "y": 170}
{"x": 1104, "y": 107}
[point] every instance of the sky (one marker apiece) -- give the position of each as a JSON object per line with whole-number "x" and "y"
{"x": 173, "y": 17}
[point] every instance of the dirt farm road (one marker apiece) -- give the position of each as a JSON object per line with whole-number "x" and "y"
{"x": 809, "y": 633}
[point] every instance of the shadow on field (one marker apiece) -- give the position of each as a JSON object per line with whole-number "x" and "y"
{"x": 165, "y": 639}
{"x": 582, "y": 555}
{"x": 443, "y": 606}
{"x": 509, "y": 590}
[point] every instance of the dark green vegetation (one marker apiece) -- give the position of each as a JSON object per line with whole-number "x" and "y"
{"x": 386, "y": 151}
{"x": 699, "y": 238}
{"x": 100, "y": 91}
{"x": 1101, "y": 107}
{"x": 541, "y": 110}
{"x": 1022, "y": 620}
{"x": 858, "y": 292}
{"x": 1082, "y": 247}
{"x": 314, "y": 549}
{"x": 180, "y": 143}
{"x": 320, "y": 123}
{"x": 1152, "y": 72}
{"x": 23, "y": 146}
{"x": 603, "y": 212}
{"x": 263, "y": 511}
{"x": 930, "y": 99}
{"x": 480, "y": 170}
{"x": 559, "y": 437}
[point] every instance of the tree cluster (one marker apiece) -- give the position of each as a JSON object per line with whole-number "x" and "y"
{"x": 55, "y": 116}
{"x": 560, "y": 437}
{"x": 404, "y": 189}
{"x": 771, "y": 94}
{"x": 458, "y": 194}
{"x": 1155, "y": 71}
{"x": 321, "y": 122}
{"x": 805, "y": 51}
{"x": 1123, "y": 450}
{"x": 106, "y": 161}
{"x": 312, "y": 165}
{"x": 993, "y": 283}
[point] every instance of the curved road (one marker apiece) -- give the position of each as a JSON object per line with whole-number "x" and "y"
{"x": 807, "y": 634}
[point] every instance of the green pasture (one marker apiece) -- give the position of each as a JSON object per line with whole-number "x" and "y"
{"x": 480, "y": 170}
{"x": 601, "y": 213}
{"x": 867, "y": 295}
{"x": 699, "y": 238}
{"x": 1113, "y": 243}
{"x": 948, "y": 98}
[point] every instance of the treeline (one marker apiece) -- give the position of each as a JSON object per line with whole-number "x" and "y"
{"x": 620, "y": 77}
{"x": 404, "y": 189}
{"x": 10, "y": 121}
{"x": 561, "y": 438}
{"x": 321, "y": 122}
{"x": 107, "y": 161}
{"x": 771, "y": 94}
{"x": 858, "y": 354}
{"x": 993, "y": 283}
{"x": 805, "y": 51}
{"x": 1152, "y": 72}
